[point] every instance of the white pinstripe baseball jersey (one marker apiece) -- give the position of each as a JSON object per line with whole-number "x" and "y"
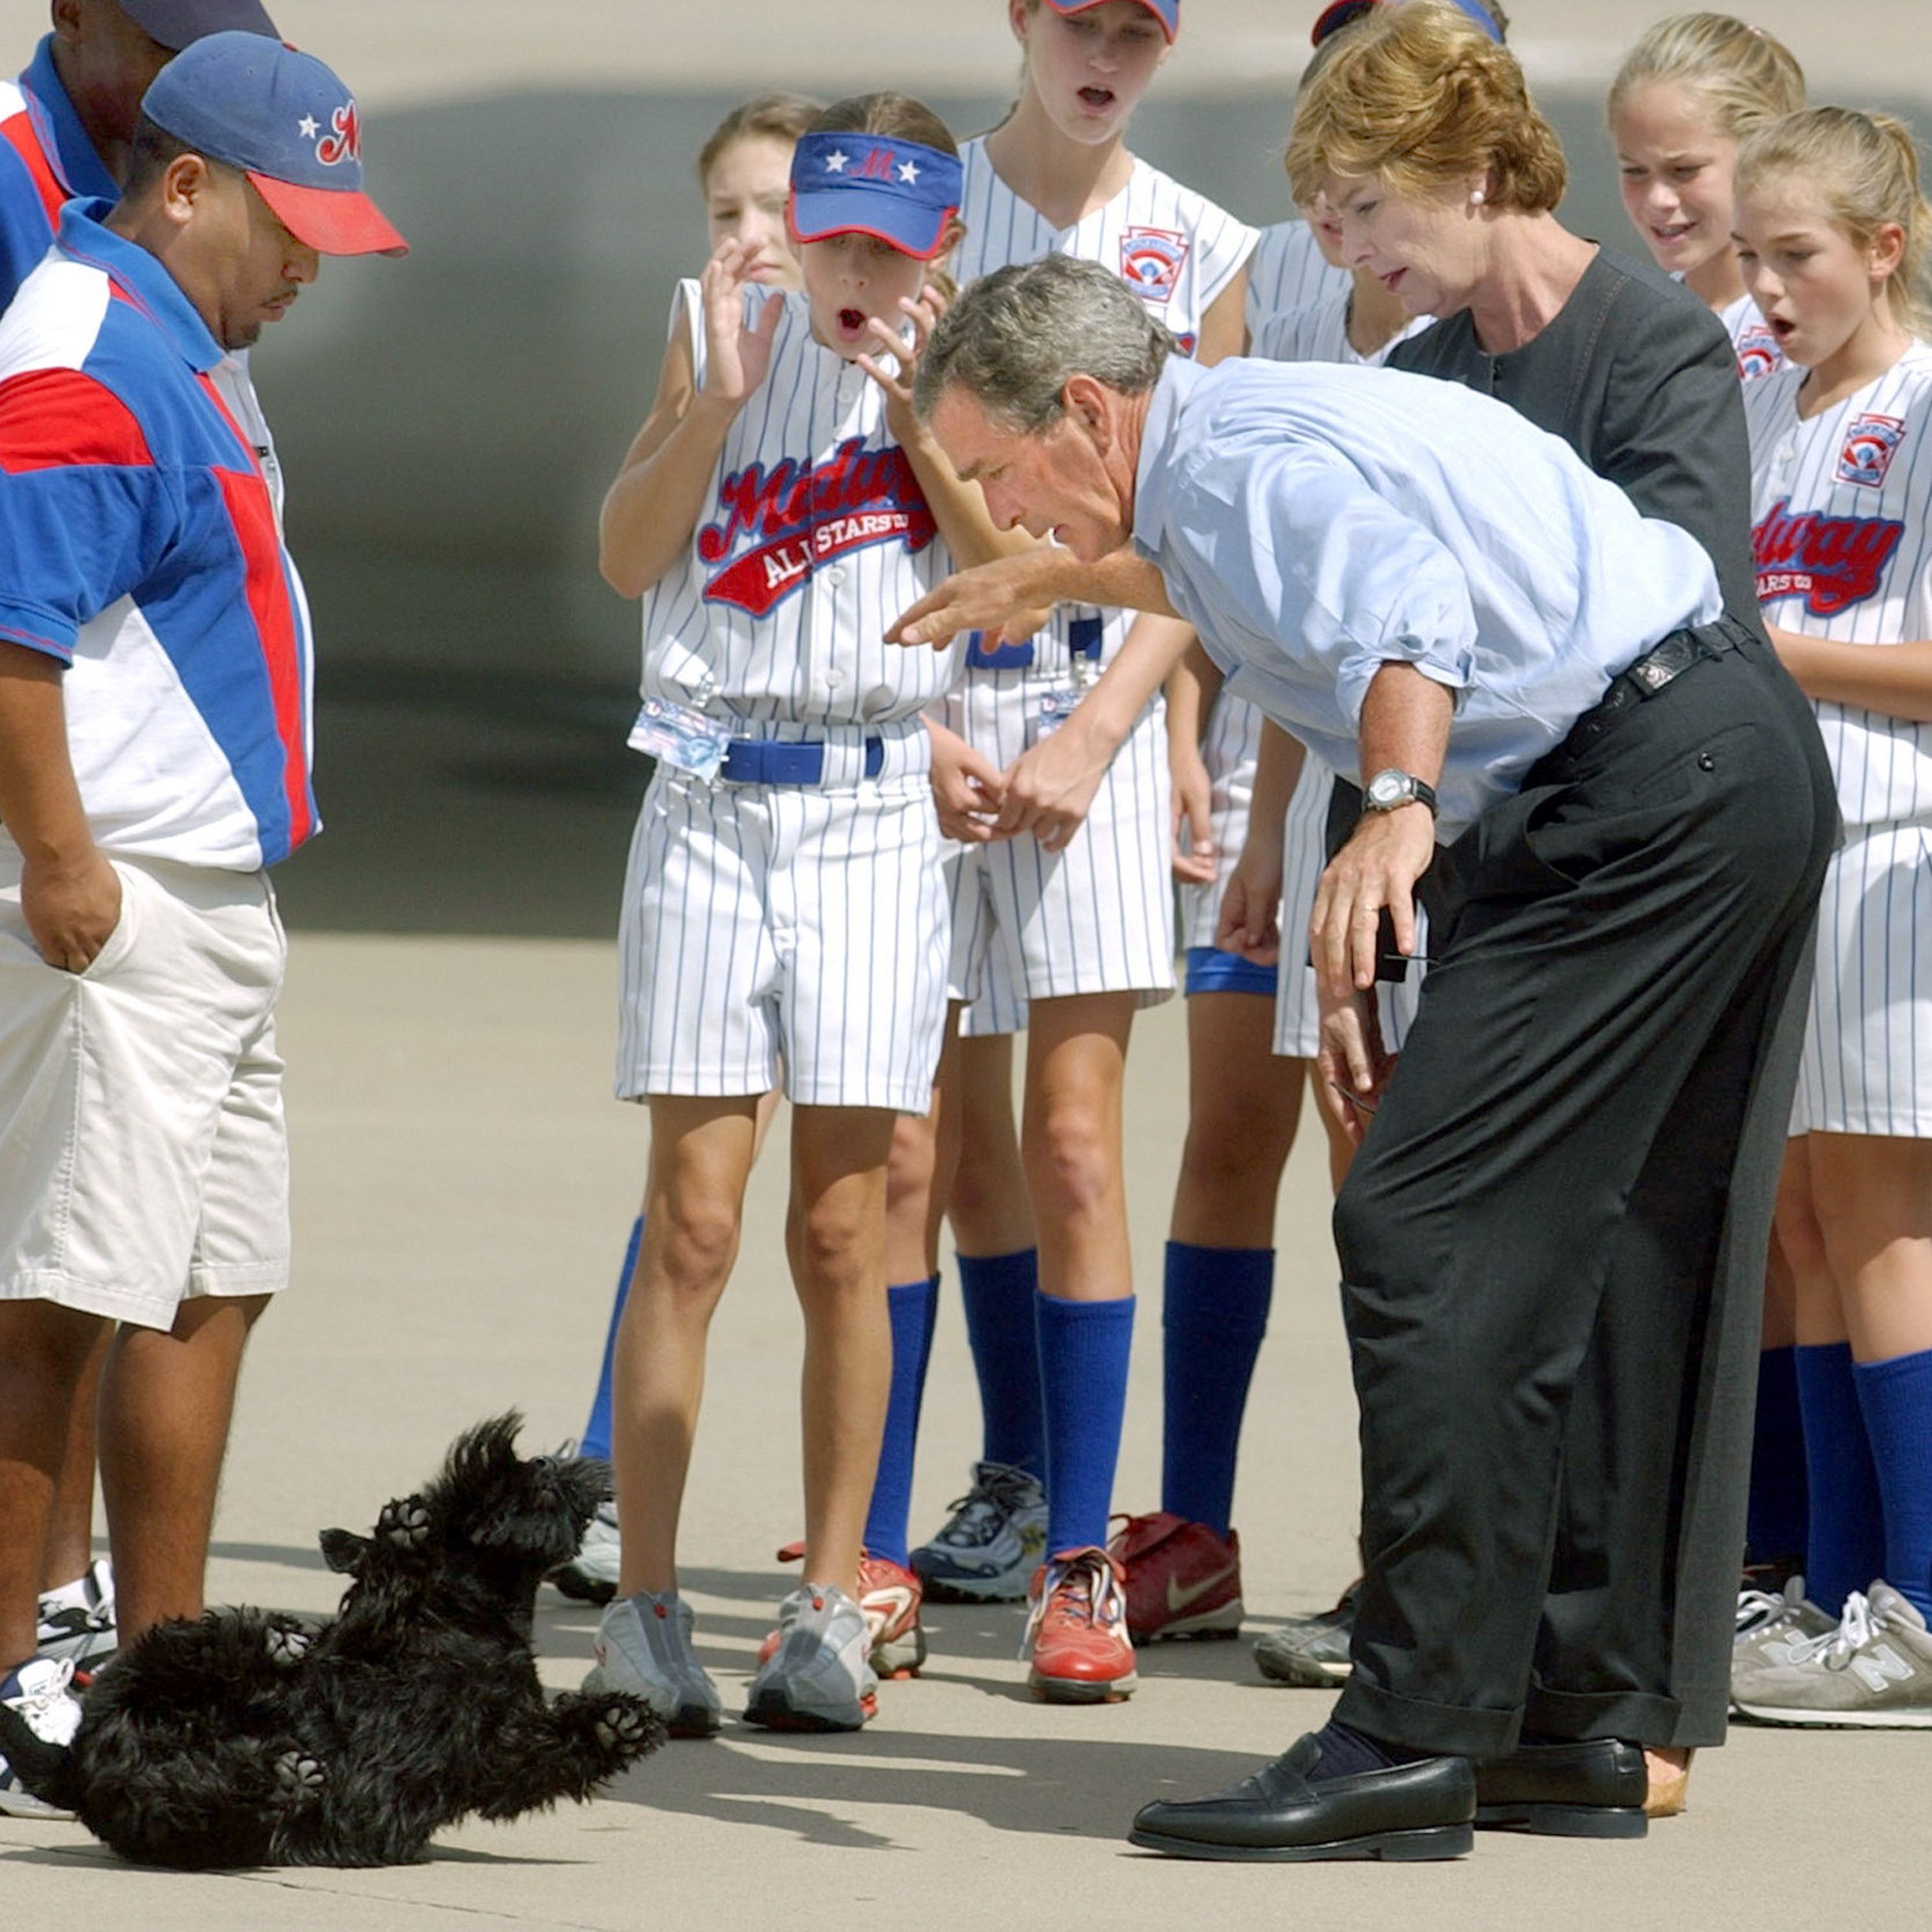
{"x": 1287, "y": 271}
{"x": 815, "y": 534}
{"x": 1758, "y": 353}
{"x": 1097, "y": 918}
{"x": 1841, "y": 515}
{"x": 800, "y": 927}
{"x": 1841, "y": 505}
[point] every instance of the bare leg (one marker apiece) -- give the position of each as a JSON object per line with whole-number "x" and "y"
{"x": 167, "y": 1399}
{"x": 44, "y": 1351}
{"x": 701, "y": 1156}
{"x": 1817, "y": 1314}
{"x": 1070, "y": 1143}
{"x": 919, "y": 1179}
{"x": 70, "y": 1534}
{"x": 836, "y": 1235}
{"x": 1242, "y": 1106}
{"x": 1873, "y": 1196}
{"x": 991, "y": 1214}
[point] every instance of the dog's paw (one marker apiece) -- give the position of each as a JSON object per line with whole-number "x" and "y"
{"x": 625, "y": 1727}
{"x": 299, "y": 1777}
{"x": 287, "y": 1643}
{"x": 405, "y": 1523}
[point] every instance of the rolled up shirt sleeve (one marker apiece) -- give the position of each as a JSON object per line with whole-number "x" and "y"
{"x": 1302, "y": 551}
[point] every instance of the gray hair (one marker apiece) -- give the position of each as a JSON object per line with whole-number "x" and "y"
{"x": 1013, "y": 339}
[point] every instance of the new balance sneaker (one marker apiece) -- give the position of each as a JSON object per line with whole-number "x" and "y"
{"x": 1076, "y": 1631}
{"x": 1874, "y": 1671}
{"x": 77, "y": 1620}
{"x": 1311, "y": 1651}
{"x": 590, "y": 1577}
{"x": 1181, "y": 1579}
{"x": 889, "y": 1594}
{"x": 817, "y": 1679}
{"x": 1773, "y": 1624}
{"x": 38, "y": 1693}
{"x": 643, "y": 1646}
{"x": 992, "y": 1542}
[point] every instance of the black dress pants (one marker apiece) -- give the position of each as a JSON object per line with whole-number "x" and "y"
{"x": 1553, "y": 1239}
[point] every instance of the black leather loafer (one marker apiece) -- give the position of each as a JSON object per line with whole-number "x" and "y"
{"x": 1593, "y": 1789}
{"x": 1418, "y": 1811}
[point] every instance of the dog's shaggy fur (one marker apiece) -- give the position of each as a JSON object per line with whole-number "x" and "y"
{"x": 249, "y": 1738}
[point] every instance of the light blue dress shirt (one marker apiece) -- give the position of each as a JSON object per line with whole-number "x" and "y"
{"x": 1313, "y": 522}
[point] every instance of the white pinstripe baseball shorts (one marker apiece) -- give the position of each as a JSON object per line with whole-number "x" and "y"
{"x": 1867, "y": 1067}
{"x": 1098, "y": 917}
{"x": 771, "y": 927}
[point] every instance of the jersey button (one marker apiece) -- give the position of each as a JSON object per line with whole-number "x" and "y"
{"x": 834, "y": 679}
{"x": 836, "y": 575}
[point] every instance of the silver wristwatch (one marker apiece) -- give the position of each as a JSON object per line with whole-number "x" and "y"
{"x": 1388, "y": 790}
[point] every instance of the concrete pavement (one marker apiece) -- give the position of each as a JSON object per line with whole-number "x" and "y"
{"x": 464, "y": 1186}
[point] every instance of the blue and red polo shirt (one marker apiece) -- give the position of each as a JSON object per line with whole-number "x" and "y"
{"x": 140, "y": 547}
{"x": 45, "y": 160}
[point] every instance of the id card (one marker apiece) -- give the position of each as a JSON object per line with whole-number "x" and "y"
{"x": 676, "y": 735}
{"x": 1056, "y": 707}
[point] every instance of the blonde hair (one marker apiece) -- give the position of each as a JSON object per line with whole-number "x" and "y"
{"x": 774, "y": 117}
{"x": 1865, "y": 169}
{"x": 1742, "y": 77}
{"x": 1420, "y": 96}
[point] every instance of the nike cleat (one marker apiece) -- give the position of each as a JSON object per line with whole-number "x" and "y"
{"x": 1183, "y": 1580}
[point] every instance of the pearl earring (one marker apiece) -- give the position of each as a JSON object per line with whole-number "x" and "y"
{"x": 1475, "y": 198}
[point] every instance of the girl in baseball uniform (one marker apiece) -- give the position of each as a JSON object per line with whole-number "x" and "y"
{"x": 1693, "y": 88}
{"x": 744, "y": 173}
{"x": 783, "y": 911}
{"x": 1079, "y": 929}
{"x": 1832, "y": 233}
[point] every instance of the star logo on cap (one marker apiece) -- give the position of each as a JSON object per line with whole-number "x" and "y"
{"x": 909, "y": 171}
{"x": 835, "y": 161}
{"x": 309, "y": 126}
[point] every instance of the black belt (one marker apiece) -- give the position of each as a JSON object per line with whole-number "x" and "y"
{"x": 1639, "y": 682}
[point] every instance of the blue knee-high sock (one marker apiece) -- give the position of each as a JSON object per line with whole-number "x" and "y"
{"x": 997, "y": 1292}
{"x": 1083, "y": 1350}
{"x": 1776, "y": 1523}
{"x": 1213, "y": 1317}
{"x": 1896, "y": 1398}
{"x": 595, "y": 1439}
{"x": 913, "y": 1305}
{"x": 1845, "y": 1543}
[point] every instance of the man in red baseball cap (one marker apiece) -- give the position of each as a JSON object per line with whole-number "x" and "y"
{"x": 66, "y": 129}
{"x": 154, "y": 680}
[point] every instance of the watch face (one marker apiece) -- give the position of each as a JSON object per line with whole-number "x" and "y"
{"x": 1389, "y": 788}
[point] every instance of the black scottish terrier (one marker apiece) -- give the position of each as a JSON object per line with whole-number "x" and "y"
{"x": 247, "y": 1737}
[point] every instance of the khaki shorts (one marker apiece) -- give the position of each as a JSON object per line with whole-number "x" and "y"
{"x": 143, "y": 1157}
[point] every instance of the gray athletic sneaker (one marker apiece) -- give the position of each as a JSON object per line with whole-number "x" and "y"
{"x": 643, "y": 1646}
{"x": 991, "y": 1544}
{"x": 1874, "y": 1671}
{"x": 817, "y": 1679}
{"x": 1772, "y": 1625}
{"x": 1311, "y": 1651}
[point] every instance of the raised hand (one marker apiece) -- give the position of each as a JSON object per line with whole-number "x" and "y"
{"x": 736, "y": 359}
